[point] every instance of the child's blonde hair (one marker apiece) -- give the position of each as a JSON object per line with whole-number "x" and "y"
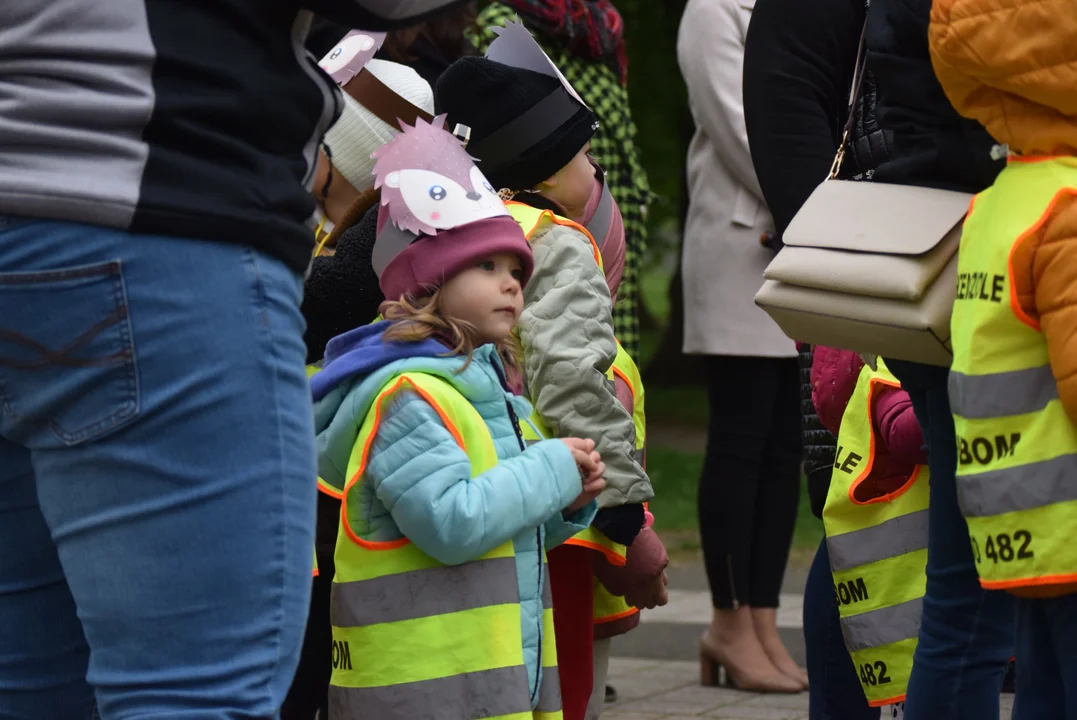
{"x": 418, "y": 318}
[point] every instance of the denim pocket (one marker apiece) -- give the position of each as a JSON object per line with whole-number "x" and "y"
{"x": 67, "y": 361}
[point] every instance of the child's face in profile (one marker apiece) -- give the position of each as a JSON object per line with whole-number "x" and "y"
{"x": 571, "y": 186}
{"x": 487, "y": 295}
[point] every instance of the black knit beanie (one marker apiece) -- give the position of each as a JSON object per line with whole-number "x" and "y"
{"x": 486, "y": 95}
{"x": 342, "y": 292}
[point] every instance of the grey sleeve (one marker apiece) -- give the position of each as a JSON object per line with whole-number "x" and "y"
{"x": 567, "y": 335}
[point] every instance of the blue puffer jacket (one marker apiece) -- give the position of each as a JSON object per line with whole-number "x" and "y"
{"x": 418, "y": 481}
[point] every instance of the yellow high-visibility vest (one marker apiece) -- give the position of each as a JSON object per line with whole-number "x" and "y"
{"x": 456, "y": 650}
{"x": 878, "y": 552}
{"x": 1017, "y": 448}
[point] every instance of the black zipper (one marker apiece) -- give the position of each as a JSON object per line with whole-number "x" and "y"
{"x": 542, "y": 613}
{"x": 732, "y": 582}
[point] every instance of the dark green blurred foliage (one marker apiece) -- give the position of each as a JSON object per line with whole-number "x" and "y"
{"x": 659, "y": 107}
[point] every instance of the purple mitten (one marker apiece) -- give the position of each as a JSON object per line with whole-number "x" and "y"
{"x": 646, "y": 560}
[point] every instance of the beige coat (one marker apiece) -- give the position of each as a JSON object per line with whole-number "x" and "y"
{"x": 723, "y": 260}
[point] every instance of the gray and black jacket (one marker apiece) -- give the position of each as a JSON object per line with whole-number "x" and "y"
{"x": 175, "y": 117}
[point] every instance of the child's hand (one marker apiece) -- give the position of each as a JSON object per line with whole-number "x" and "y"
{"x": 591, "y": 489}
{"x": 583, "y": 452}
{"x": 591, "y": 471}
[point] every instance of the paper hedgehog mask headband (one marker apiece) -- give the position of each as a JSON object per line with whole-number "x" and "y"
{"x": 429, "y": 183}
{"x": 438, "y": 212}
{"x": 515, "y": 47}
{"x": 346, "y": 64}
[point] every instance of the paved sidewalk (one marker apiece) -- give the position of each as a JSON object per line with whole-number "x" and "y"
{"x": 670, "y": 690}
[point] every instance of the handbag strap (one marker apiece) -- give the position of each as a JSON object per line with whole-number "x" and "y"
{"x": 854, "y": 98}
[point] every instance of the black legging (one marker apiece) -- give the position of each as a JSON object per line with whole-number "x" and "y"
{"x": 751, "y": 477}
{"x": 309, "y": 693}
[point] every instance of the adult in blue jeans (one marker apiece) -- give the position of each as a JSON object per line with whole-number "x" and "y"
{"x": 966, "y": 632}
{"x": 156, "y": 441}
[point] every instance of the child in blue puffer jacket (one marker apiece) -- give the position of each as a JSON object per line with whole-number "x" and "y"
{"x": 441, "y": 602}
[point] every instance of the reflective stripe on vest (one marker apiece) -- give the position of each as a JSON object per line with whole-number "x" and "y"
{"x": 415, "y": 638}
{"x": 1017, "y": 447}
{"x": 878, "y": 552}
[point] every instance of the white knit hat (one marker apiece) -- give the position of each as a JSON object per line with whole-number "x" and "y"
{"x": 359, "y": 132}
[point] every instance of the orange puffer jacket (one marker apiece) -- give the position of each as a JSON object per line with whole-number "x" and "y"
{"x": 1012, "y": 66}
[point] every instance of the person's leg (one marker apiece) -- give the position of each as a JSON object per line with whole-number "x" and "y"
{"x": 1062, "y": 615}
{"x": 778, "y": 493}
{"x": 835, "y": 692}
{"x": 309, "y": 692}
{"x": 739, "y": 422}
{"x": 602, "y": 668}
{"x": 310, "y": 688}
{"x": 966, "y": 633}
{"x": 160, "y": 386}
{"x": 43, "y": 653}
{"x": 573, "y": 609}
{"x": 741, "y": 393}
{"x": 1040, "y": 692}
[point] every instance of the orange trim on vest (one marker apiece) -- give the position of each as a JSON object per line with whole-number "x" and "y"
{"x": 618, "y": 616}
{"x": 1029, "y": 582}
{"x": 620, "y": 373}
{"x": 326, "y": 489}
{"x": 887, "y": 701}
{"x": 613, "y": 558}
{"x": 1031, "y": 158}
{"x": 1015, "y": 305}
{"x": 875, "y": 382}
{"x": 565, "y": 222}
{"x": 315, "y": 572}
{"x": 384, "y": 395}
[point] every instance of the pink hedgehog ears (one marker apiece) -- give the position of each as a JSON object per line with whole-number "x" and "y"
{"x": 429, "y": 183}
{"x": 516, "y": 48}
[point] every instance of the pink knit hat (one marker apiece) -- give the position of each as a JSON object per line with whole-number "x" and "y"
{"x": 439, "y": 215}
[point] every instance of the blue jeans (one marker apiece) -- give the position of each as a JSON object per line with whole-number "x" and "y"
{"x": 966, "y": 632}
{"x": 1046, "y": 659}
{"x": 156, "y": 476}
{"x": 835, "y": 692}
